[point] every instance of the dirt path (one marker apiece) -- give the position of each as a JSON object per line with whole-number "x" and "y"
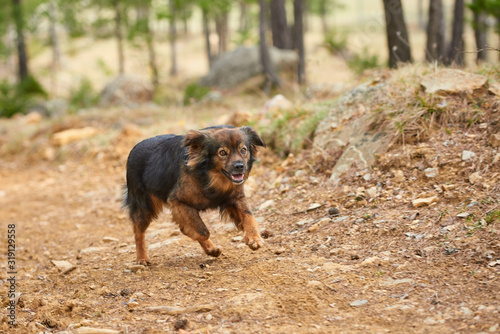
{"x": 365, "y": 270}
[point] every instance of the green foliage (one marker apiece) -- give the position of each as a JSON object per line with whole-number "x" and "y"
{"x": 16, "y": 98}
{"x": 360, "y": 62}
{"x": 335, "y": 41}
{"x": 194, "y": 92}
{"x": 83, "y": 96}
{"x": 490, "y": 7}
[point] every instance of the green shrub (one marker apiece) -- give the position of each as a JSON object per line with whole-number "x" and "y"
{"x": 83, "y": 96}
{"x": 360, "y": 62}
{"x": 16, "y": 98}
{"x": 335, "y": 41}
{"x": 194, "y": 92}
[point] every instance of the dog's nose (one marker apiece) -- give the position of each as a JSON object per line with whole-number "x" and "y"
{"x": 239, "y": 167}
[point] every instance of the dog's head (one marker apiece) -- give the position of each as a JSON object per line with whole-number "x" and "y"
{"x": 224, "y": 154}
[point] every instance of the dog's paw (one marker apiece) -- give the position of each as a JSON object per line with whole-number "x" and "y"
{"x": 144, "y": 262}
{"x": 254, "y": 242}
{"x": 214, "y": 251}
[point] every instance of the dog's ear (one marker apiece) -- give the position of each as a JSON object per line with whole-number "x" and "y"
{"x": 254, "y": 138}
{"x": 194, "y": 141}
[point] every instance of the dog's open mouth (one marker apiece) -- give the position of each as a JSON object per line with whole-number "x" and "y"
{"x": 235, "y": 178}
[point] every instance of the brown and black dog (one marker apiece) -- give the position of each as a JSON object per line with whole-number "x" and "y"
{"x": 204, "y": 169}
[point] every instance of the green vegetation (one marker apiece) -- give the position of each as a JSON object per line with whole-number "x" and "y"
{"x": 364, "y": 61}
{"x": 84, "y": 96}
{"x": 16, "y": 98}
{"x": 194, "y": 93}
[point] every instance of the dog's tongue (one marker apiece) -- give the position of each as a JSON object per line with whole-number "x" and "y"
{"x": 237, "y": 177}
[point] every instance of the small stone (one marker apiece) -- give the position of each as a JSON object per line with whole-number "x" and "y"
{"x": 93, "y": 250}
{"x": 109, "y": 239}
{"x": 280, "y": 250}
{"x": 313, "y": 228}
{"x": 32, "y": 118}
{"x": 208, "y": 317}
{"x": 466, "y": 155}
{"x": 358, "y": 303}
{"x": 493, "y": 328}
{"x": 315, "y": 284}
{"x": 64, "y": 266}
{"x": 132, "y": 305}
{"x": 495, "y": 140}
{"x": 181, "y": 324}
{"x": 300, "y": 173}
{"x": 430, "y": 321}
{"x": 237, "y": 238}
{"x": 49, "y": 153}
{"x": 399, "y": 176}
{"x": 314, "y": 206}
{"x": 496, "y": 159}
{"x": 304, "y": 222}
{"x": 463, "y": 215}
{"x": 475, "y": 178}
{"x": 494, "y": 263}
{"x": 367, "y": 177}
{"x": 266, "y": 204}
{"x": 333, "y": 211}
{"x": 136, "y": 267}
{"x": 431, "y": 172}
{"x": 466, "y": 312}
{"x": 448, "y": 187}
{"x": 372, "y": 192}
{"x": 425, "y": 201}
{"x": 90, "y": 330}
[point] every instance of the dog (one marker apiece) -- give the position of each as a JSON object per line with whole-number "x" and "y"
{"x": 205, "y": 169}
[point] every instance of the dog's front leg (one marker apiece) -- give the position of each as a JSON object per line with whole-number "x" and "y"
{"x": 244, "y": 220}
{"x": 193, "y": 226}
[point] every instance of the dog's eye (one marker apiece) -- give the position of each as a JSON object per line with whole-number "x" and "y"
{"x": 243, "y": 150}
{"x": 222, "y": 153}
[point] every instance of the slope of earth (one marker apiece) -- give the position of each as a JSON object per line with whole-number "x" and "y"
{"x": 354, "y": 257}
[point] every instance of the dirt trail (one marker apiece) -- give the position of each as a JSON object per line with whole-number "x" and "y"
{"x": 379, "y": 265}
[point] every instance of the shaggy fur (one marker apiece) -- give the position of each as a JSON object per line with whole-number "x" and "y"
{"x": 205, "y": 169}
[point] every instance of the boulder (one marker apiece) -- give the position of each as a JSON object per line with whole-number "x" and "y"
{"x": 126, "y": 90}
{"x": 451, "y": 81}
{"x": 244, "y": 63}
{"x": 62, "y": 138}
{"x": 347, "y": 125}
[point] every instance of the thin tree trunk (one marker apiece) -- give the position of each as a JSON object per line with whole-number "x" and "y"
{"x": 152, "y": 57}
{"x": 420, "y": 9}
{"x": 243, "y": 26}
{"x": 298, "y": 13}
{"x": 56, "y": 54}
{"x": 21, "y": 46}
{"x": 173, "y": 37}
{"x": 279, "y": 26}
{"x": 480, "y": 29}
{"x": 221, "y": 22}
{"x": 268, "y": 68}
{"x": 206, "y": 32}
{"x": 397, "y": 36}
{"x": 119, "y": 36}
{"x": 455, "y": 54}
{"x": 324, "y": 23}
{"x": 435, "y": 48}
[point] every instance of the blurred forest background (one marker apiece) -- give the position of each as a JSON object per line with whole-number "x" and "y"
{"x": 68, "y": 51}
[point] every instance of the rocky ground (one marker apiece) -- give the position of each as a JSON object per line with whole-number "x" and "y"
{"x": 409, "y": 245}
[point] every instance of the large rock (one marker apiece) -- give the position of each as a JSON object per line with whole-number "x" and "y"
{"x": 243, "y": 63}
{"x": 347, "y": 126}
{"x": 126, "y": 90}
{"x": 450, "y": 81}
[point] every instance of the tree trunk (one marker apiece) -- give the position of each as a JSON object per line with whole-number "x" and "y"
{"x": 279, "y": 26}
{"x": 480, "y": 29}
{"x": 206, "y": 32}
{"x": 152, "y": 57}
{"x": 420, "y": 9}
{"x": 119, "y": 36}
{"x": 56, "y": 54}
{"x": 221, "y": 25}
{"x": 397, "y": 36}
{"x": 173, "y": 37}
{"x": 455, "y": 54}
{"x": 268, "y": 68}
{"x": 244, "y": 26}
{"x": 323, "y": 10}
{"x": 298, "y": 28}
{"x": 435, "y": 49}
{"x": 21, "y": 46}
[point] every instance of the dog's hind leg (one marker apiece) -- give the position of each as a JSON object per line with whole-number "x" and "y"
{"x": 193, "y": 226}
{"x": 141, "y": 218}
